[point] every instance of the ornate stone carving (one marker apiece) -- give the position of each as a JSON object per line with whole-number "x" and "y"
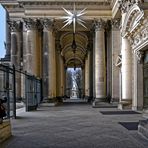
{"x": 115, "y": 23}
{"x": 99, "y": 24}
{"x": 140, "y": 38}
{"x": 119, "y": 61}
{"x": 124, "y": 5}
{"x": 31, "y": 24}
{"x": 14, "y": 25}
{"x": 140, "y": 55}
{"x": 48, "y": 24}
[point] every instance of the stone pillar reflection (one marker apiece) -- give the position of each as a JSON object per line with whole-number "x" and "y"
{"x": 99, "y": 55}
{"x": 49, "y": 58}
{"x": 32, "y": 54}
{"x": 16, "y": 44}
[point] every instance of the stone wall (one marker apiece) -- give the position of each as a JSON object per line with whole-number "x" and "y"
{"x": 5, "y": 131}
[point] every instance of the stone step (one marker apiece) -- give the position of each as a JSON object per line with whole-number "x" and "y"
{"x": 143, "y": 127}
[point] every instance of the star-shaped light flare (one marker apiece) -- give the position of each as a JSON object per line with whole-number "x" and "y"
{"x": 75, "y": 17}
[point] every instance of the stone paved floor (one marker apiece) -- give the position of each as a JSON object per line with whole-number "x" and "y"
{"x": 73, "y": 126}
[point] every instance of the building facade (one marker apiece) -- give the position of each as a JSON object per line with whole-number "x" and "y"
{"x": 112, "y": 50}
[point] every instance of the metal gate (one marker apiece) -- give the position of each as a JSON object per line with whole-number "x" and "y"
{"x": 32, "y": 92}
{"x": 17, "y": 85}
{"x": 7, "y": 89}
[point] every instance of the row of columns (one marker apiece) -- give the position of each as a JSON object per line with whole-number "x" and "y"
{"x": 38, "y": 62}
{"x": 33, "y": 59}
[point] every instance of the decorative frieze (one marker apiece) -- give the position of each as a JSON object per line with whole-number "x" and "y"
{"x": 139, "y": 38}
{"x": 125, "y": 5}
{"x": 14, "y": 25}
{"x": 140, "y": 55}
{"x": 115, "y": 23}
{"x": 119, "y": 61}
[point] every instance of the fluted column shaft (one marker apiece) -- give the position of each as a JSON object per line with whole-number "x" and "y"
{"x": 99, "y": 55}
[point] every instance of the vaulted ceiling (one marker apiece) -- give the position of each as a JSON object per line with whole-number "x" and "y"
{"x": 74, "y": 57}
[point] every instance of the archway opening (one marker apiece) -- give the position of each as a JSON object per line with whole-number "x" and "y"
{"x": 74, "y": 83}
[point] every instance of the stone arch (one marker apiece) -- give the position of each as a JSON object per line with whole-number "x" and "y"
{"x": 132, "y": 20}
{"x": 66, "y": 48}
{"x": 77, "y": 58}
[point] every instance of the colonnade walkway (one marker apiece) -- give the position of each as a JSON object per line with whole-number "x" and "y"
{"x": 76, "y": 126}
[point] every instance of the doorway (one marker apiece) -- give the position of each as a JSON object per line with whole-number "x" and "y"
{"x": 74, "y": 83}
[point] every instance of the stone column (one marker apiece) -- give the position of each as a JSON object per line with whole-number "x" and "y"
{"x": 83, "y": 81}
{"x": 32, "y": 54}
{"x": 62, "y": 76}
{"x": 86, "y": 77}
{"x": 49, "y": 59}
{"x": 59, "y": 72}
{"x": 126, "y": 69}
{"x": 137, "y": 102}
{"x": 116, "y": 40}
{"x": 100, "y": 69}
{"x": 16, "y": 44}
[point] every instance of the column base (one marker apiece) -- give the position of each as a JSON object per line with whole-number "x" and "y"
{"x": 137, "y": 108}
{"x": 89, "y": 98}
{"x": 125, "y": 104}
{"x": 99, "y": 101}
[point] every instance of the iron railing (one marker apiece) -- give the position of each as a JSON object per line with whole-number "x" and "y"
{"x": 19, "y": 86}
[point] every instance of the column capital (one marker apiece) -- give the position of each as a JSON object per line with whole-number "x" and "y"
{"x": 99, "y": 25}
{"x": 15, "y": 26}
{"x": 48, "y": 24}
{"x": 31, "y": 24}
{"x": 140, "y": 55}
{"x": 115, "y": 23}
{"x": 124, "y": 5}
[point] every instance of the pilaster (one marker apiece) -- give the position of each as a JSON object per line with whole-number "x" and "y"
{"x": 116, "y": 41}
